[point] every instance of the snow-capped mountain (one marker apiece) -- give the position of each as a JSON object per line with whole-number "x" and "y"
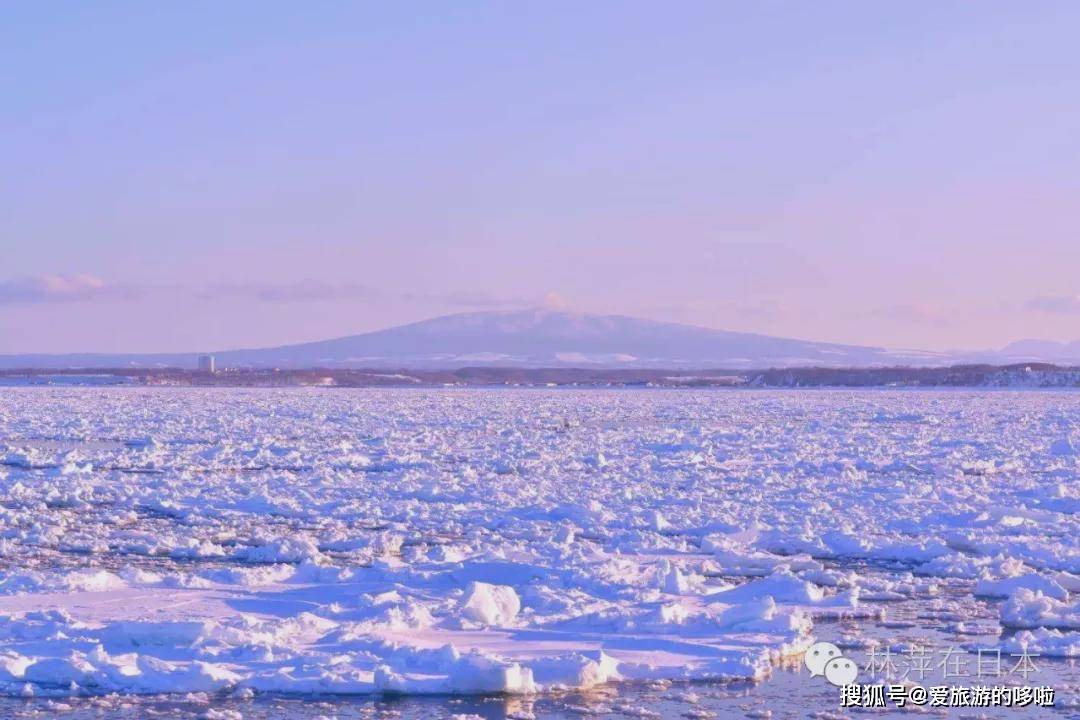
{"x": 527, "y": 338}
{"x": 555, "y": 338}
{"x": 1042, "y": 351}
{"x": 548, "y": 337}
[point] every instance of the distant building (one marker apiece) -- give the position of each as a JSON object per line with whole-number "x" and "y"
{"x": 206, "y": 363}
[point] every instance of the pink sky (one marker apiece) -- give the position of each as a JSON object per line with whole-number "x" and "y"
{"x": 198, "y": 177}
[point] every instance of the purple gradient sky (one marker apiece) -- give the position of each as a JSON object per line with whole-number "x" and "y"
{"x": 203, "y": 175}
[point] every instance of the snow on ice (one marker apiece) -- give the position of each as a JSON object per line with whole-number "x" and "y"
{"x": 517, "y": 541}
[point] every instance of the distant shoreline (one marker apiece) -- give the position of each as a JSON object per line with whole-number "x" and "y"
{"x": 1037, "y": 375}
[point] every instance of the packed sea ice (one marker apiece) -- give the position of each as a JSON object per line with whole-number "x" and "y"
{"x": 515, "y": 541}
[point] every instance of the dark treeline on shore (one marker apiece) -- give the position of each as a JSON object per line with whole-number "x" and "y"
{"x": 1026, "y": 375}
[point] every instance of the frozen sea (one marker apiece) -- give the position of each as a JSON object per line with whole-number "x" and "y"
{"x": 227, "y": 553}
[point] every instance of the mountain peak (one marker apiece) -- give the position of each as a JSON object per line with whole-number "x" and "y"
{"x": 1046, "y": 350}
{"x": 545, "y": 336}
{"x": 559, "y": 337}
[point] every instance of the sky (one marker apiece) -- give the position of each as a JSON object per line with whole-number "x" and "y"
{"x": 204, "y": 176}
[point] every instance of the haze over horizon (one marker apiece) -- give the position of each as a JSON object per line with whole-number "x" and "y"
{"x": 259, "y": 174}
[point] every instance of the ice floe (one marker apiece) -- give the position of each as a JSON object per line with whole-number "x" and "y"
{"x": 440, "y": 541}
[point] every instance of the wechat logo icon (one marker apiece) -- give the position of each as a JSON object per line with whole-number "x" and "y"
{"x": 824, "y": 658}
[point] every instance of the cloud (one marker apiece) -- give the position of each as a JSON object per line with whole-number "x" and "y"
{"x": 300, "y": 291}
{"x": 914, "y": 314}
{"x": 710, "y": 311}
{"x": 1055, "y": 304}
{"x": 313, "y": 291}
{"x": 82, "y": 287}
{"x": 470, "y": 300}
{"x": 54, "y": 289}
{"x": 555, "y": 301}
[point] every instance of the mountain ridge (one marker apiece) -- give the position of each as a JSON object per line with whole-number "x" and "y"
{"x": 538, "y": 337}
{"x": 541, "y": 337}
